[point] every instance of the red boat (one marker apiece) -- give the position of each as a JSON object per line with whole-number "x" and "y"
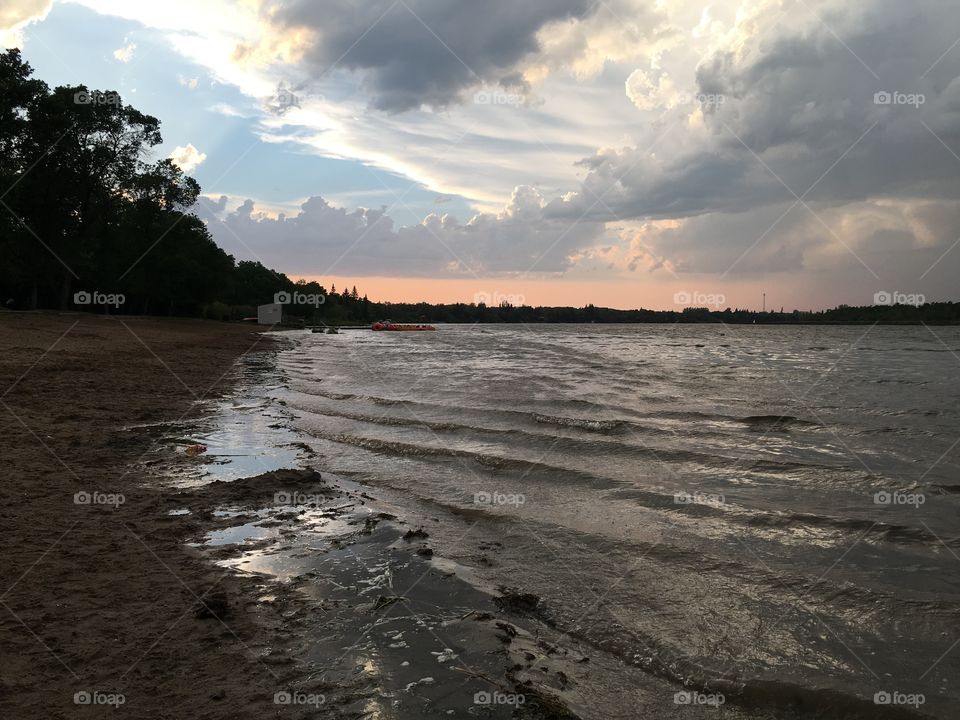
{"x": 400, "y": 327}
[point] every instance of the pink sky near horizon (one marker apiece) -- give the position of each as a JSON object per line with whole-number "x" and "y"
{"x": 623, "y": 294}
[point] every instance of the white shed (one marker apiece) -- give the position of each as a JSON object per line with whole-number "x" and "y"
{"x": 271, "y": 314}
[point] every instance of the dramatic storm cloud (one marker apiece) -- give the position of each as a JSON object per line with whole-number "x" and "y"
{"x": 417, "y": 53}
{"x": 837, "y": 108}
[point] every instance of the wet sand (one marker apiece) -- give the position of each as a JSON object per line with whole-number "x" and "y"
{"x": 103, "y": 598}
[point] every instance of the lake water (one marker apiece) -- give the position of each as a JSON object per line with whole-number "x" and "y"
{"x": 767, "y": 510}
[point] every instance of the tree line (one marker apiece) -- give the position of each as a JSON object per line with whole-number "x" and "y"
{"x": 87, "y": 218}
{"x": 942, "y": 313}
{"x": 89, "y": 221}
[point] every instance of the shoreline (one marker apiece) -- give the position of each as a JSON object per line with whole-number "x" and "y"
{"x": 363, "y": 547}
{"x": 119, "y": 602}
{"x": 290, "y": 592}
{"x": 356, "y": 582}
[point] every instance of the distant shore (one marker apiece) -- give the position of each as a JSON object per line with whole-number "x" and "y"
{"x": 318, "y": 308}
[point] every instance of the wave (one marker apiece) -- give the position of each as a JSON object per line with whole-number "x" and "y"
{"x": 713, "y": 461}
{"x": 375, "y": 399}
{"x": 603, "y": 426}
{"x": 662, "y": 660}
{"x": 844, "y": 598}
{"x": 496, "y": 462}
{"x": 775, "y": 422}
{"x": 867, "y": 530}
{"x": 945, "y": 489}
{"x": 600, "y": 426}
{"x": 870, "y": 530}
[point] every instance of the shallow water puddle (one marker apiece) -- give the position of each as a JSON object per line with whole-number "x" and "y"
{"x": 240, "y": 534}
{"x": 313, "y": 531}
{"x": 244, "y": 436}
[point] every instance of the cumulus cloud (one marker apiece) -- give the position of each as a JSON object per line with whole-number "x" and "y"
{"x": 846, "y": 253}
{"x": 187, "y": 157}
{"x": 429, "y": 52}
{"x": 618, "y": 31}
{"x": 15, "y": 15}
{"x": 774, "y": 115}
{"x": 125, "y": 54}
{"x": 649, "y": 95}
{"x": 322, "y": 239}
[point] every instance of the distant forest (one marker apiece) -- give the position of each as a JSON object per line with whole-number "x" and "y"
{"x": 89, "y": 222}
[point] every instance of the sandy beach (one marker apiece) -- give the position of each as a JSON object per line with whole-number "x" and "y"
{"x": 102, "y": 598}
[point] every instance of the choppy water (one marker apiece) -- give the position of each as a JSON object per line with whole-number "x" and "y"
{"x": 774, "y": 509}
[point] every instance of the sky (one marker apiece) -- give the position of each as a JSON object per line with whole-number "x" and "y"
{"x": 627, "y": 153}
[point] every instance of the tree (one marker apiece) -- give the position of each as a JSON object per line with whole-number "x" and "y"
{"x": 84, "y": 207}
{"x": 22, "y": 254}
{"x": 82, "y": 152}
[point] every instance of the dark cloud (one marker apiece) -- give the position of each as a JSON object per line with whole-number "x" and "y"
{"x": 905, "y": 246}
{"x": 415, "y": 53}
